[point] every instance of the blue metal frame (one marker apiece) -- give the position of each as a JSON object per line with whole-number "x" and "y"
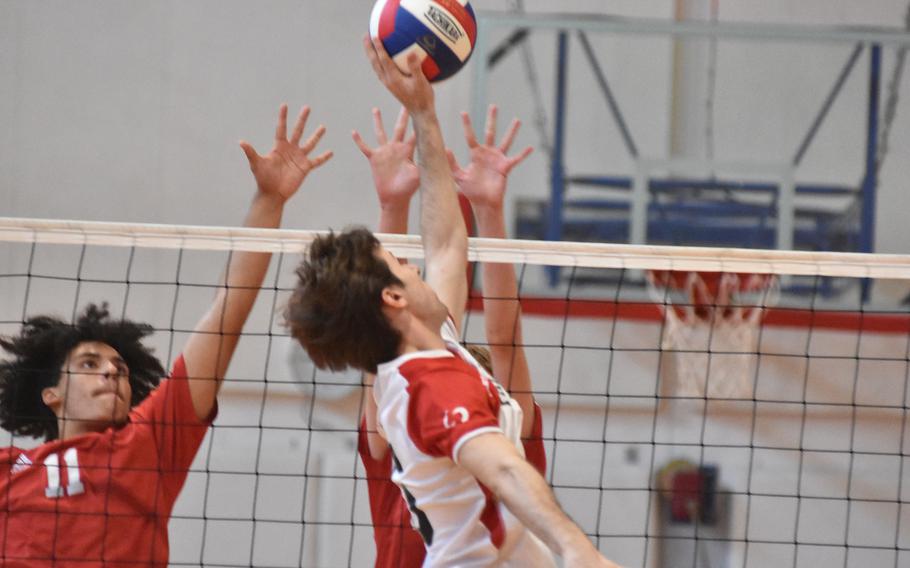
{"x": 657, "y": 185}
{"x": 554, "y": 228}
{"x": 829, "y": 102}
{"x": 608, "y": 95}
{"x": 665, "y": 220}
{"x": 870, "y": 180}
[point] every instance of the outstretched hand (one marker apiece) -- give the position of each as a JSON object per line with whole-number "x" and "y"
{"x": 281, "y": 172}
{"x": 395, "y": 174}
{"x": 412, "y": 89}
{"x": 483, "y": 181}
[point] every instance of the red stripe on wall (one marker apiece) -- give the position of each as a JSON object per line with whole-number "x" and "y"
{"x": 647, "y": 311}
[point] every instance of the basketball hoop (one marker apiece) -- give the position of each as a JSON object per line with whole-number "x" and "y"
{"x": 709, "y": 345}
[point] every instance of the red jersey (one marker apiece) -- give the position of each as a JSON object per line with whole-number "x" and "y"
{"x": 398, "y": 544}
{"x": 105, "y": 498}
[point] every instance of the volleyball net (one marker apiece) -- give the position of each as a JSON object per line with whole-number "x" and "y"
{"x": 701, "y": 407}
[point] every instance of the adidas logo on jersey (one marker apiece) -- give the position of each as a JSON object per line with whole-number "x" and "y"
{"x": 22, "y": 463}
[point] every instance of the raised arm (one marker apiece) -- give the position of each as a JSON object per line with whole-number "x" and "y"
{"x": 278, "y": 176}
{"x": 483, "y": 182}
{"x": 445, "y": 239}
{"x": 495, "y": 462}
{"x": 396, "y": 179}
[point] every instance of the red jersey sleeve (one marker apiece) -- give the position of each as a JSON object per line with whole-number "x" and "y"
{"x": 533, "y": 444}
{"x": 169, "y": 411}
{"x": 375, "y": 469}
{"x": 448, "y": 405}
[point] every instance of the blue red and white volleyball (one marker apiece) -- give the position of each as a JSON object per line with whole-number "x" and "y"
{"x": 440, "y": 32}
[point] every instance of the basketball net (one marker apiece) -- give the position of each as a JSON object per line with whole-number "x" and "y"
{"x": 709, "y": 344}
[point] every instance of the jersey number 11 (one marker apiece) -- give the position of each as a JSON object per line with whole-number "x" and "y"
{"x": 74, "y": 483}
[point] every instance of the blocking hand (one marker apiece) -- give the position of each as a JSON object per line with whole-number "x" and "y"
{"x": 395, "y": 174}
{"x": 281, "y": 172}
{"x": 483, "y": 181}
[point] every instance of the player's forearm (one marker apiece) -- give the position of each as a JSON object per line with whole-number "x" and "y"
{"x": 441, "y": 223}
{"x": 500, "y": 287}
{"x": 209, "y": 350}
{"x": 490, "y": 220}
{"x": 393, "y": 218}
{"x": 517, "y": 484}
{"x": 530, "y": 499}
{"x": 246, "y": 270}
{"x": 502, "y": 317}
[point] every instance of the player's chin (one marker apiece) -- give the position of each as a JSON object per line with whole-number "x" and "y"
{"x": 113, "y": 411}
{"x": 121, "y": 413}
{"x": 114, "y": 420}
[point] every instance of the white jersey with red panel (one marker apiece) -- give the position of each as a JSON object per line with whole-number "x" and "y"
{"x": 429, "y": 404}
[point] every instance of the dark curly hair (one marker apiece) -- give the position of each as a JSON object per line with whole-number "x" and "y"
{"x": 40, "y": 350}
{"x": 335, "y": 311}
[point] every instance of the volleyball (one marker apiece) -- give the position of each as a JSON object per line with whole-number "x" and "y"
{"x": 440, "y": 32}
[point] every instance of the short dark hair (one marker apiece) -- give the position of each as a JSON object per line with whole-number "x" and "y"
{"x": 335, "y": 311}
{"x": 481, "y": 354}
{"x": 41, "y": 348}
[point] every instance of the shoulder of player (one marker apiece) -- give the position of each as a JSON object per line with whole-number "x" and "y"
{"x": 434, "y": 368}
{"x": 178, "y": 368}
{"x": 15, "y": 456}
{"x": 9, "y": 453}
{"x": 176, "y": 376}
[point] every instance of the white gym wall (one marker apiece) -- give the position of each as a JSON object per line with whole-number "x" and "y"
{"x": 131, "y": 111}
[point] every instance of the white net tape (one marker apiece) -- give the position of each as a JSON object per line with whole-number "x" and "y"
{"x": 640, "y": 257}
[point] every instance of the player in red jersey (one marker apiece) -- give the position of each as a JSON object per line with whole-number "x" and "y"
{"x": 455, "y": 433}
{"x": 396, "y": 179}
{"x": 483, "y": 182}
{"x": 99, "y": 491}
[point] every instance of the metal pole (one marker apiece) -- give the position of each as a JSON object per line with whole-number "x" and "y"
{"x": 867, "y": 235}
{"x": 887, "y": 36}
{"x": 608, "y": 93}
{"x": 638, "y": 210}
{"x": 514, "y": 40}
{"x": 557, "y": 167}
{"x": 829, "y": 101}
{"x": 481, "y": 73}
{"x": 870, "y": 182}
{"x": 786, "y": 210}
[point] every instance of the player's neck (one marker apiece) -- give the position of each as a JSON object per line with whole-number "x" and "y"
{"x": 74, "y": 428}
{"x": 419, "y": 337}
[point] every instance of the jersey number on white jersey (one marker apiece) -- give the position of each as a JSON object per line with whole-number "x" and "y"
{"x": 74, "y": 483}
